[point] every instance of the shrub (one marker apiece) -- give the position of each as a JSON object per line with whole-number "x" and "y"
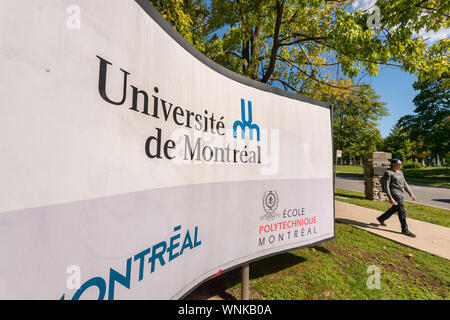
{"x": 412, "y": 165}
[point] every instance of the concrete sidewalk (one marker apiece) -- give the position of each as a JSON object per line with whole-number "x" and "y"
{"x": 429, "y": 237}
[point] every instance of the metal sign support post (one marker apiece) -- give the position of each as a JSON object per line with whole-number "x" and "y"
{"x": 245, "y": 272}
{"x": 338, "y": 155}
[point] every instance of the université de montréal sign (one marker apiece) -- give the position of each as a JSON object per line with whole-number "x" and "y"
{"x": 127, "y": 153}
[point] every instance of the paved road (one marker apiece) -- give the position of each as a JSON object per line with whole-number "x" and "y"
{"x": 429, "y": 195}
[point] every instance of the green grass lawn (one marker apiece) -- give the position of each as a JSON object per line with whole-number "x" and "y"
{"x": 439, "y": 176}
{"x": 431, "y": 173}
{"x": 413, "y": 210}
{"x": 350, "y": 168}
{"x": 337, "y": 269}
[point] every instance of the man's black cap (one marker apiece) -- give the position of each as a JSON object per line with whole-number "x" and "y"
{"x": 395, "y": 160}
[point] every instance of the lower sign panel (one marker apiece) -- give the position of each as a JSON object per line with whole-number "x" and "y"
{"x": 112, "y": 242}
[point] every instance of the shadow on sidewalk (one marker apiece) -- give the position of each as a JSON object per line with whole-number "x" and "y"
{"x": 442, "y": 200}
{"x": 365, "y": 225}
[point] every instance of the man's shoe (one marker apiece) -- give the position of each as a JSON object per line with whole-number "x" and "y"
{"x": 409, "y": 234}
{"x": 381, "y": 222}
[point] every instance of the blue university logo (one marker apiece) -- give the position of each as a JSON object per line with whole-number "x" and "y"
{"x": 246, "y": 123}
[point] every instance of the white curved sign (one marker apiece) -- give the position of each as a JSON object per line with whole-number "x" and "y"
{"x": 132, "y": 167}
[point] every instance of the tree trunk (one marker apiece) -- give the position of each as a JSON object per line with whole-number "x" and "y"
{"x": 245, "y": 56}
{"x": 276, "y": 43}
{"x": 254, "y": 60}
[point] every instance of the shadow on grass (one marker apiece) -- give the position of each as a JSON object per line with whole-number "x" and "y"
{"x": 322, "y": 249}
{"x": 365, "y": 225}
{"x": 217, "y": 287}
{"x": 274, "y": 264}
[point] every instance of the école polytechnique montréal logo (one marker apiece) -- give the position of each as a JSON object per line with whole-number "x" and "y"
{"x": 270, "y": 205}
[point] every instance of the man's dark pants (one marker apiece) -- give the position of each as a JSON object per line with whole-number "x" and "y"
{"x": 399, "y": 208}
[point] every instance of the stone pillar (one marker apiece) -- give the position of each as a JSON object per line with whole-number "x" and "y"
{"x": 374, "y": 167}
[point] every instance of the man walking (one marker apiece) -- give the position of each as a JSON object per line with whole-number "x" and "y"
{"x": 395, "y": 185}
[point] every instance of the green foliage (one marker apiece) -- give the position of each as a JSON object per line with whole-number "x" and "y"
{"x": 355, "y": 123}
{"x": 402, "y": 20}
{"x": 188, "y": 17}
{"x": 314, "y": 47}
{"x": 398, "y": 144}
{"x": 411, "y": 165}
{"x": 431, "y": 123}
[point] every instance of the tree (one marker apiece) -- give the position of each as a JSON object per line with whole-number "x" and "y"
{"x": 355, "y": 123}
{"x": 315, "y": 47}
{"x": 188, "y": 17}
{"x": 419, "y": 150}
{"x": 398, "y": 144}
{"x": 431, "y": 123}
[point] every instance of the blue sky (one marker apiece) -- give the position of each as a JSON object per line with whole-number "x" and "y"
{"x": 395, "y": 88}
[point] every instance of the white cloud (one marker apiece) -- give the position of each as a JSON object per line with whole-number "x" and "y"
{"x": 432, "y": 36}
{"x": 364, "y": 4}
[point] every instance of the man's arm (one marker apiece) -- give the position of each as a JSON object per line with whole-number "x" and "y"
{"x": 387, "y": 186}
{"x": 408, "y": 190}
